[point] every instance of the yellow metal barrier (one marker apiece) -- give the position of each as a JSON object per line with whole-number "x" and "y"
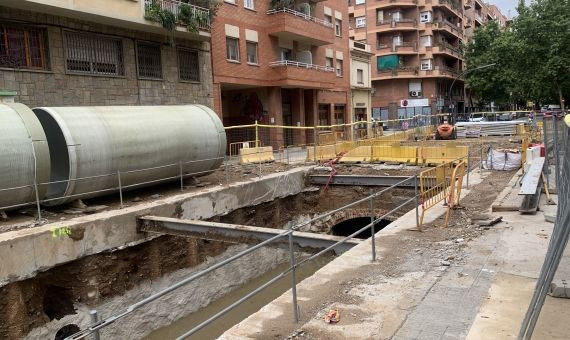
{"x": 442, "y": 154}
{"x": 358, "y": 155}
{"x": 441, "y": 182}
{"x": 261, "y": 154}
{"x": 395, "y": 153}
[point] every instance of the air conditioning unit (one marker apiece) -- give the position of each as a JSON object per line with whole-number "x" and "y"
{"x": 415, "y": 93}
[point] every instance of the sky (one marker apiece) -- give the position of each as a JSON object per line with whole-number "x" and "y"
{"x": 507, "y": 5}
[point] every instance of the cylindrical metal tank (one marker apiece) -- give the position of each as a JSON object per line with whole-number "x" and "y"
{"x": 89, "y": 146}
{"x": 24, "y": 155}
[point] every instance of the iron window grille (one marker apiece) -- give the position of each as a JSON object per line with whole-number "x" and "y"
{"x": 188, "y": 64}
{"x": 93, "y": 54}
{"x": 23, "y": 47}
{"x": 149, "y": 63}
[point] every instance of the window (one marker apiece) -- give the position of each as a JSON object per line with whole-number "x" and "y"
{"x": 93, "y": 54}
{"x": 324, "y": 114}
{"x": 232, "y": 46}
{"x": 339, "y": 67}
{"x": 360, "y": 2}
{"x": 286, "y": 54}
{"x": 426, "y": 40}
{"x": 426, "y": 64}
{"x": 396, "y": 16}
{"x": 425, "y": 16}
{"x": 360, "y": 22}
{"x": 379, "y": 15}
{"x": 22, "y": 47}
{"x": 339, "y": 114}
{"x": 188, "y": 64}
{"x": 251, "y": 48}
{"x": 360, "y": 76}
{"x": 249, "y": 4}
{"x": 329, "y": 62}
{"x": 397, "y": 40}
{"x": 328, "y": 19}
{"x": 338, "y": 27}
{"x": 148, "y": 60}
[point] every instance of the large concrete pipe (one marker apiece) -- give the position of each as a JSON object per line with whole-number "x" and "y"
{"x": 90, "y": 145}
{"x": 24, "y": 155}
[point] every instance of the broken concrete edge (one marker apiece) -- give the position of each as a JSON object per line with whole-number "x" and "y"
{"x": 279, "y": 310}
{"x": 26, "y": 252}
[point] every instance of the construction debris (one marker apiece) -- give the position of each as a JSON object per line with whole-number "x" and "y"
{"x": 333, "y": 316}
{"x": 3, "y": 216}
{"x": 488, "y": 223}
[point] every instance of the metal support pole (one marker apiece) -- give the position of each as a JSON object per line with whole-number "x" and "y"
{"x": 468, "y": 166}
{"x": 293, "y": 278}
{"x": 226, "y": 170}
{"x": 556, "y": 151}
{"x": 315, "y": 143}
{"x": 37, "y": 200}
{"x": 94, "y": 320}
{"x": 120, "y": 188}
{"x": 181, "y": 177}
{"x": 256, "y": 135}
{"x": 417, "y": 200}
{"x": 372, "y": 231}
{"x": 546, "y": 160}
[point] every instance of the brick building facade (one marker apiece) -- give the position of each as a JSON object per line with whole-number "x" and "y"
{"x": 281, "y": 64}
{"x": 83, "y": 59}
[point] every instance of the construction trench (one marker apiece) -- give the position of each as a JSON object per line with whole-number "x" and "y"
{"x": 108, "y": 268}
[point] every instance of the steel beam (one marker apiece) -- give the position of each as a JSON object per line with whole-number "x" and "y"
{"x": 363, "y": 180}
{"x": 235, "y": 233}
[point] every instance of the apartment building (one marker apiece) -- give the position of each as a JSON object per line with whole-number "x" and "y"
{"x": 104, "y": 52}
{"x": 281, "y": 62}
{"x": 361, "y": 86}
{"x": 417, "y": 54}
{"x": 478, "y": 13}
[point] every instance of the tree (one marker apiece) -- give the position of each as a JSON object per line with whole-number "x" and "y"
{"x": 532, "y": 55}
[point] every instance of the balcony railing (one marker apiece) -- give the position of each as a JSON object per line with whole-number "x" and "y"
{"x": 445, "y": 46}
{"x": 291, "y": 63}
{"x": 398, "y": 23}
{"x": 449, "y": 70}
{"x": 401, "y": 70}
{"x": 468, "y": 4}
{"x": 300, "y": 15}
{"x": 448, "y": 25}
{"x": 199, "y": 15}
{"x": 451, "y": 4}
{"x": 387, "y": 2}
{"x": 406, "y": 46}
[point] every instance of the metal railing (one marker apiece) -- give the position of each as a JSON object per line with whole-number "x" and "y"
{"x": 447, "y": 46}
{"x": 94, "y": 328}
{"x": 413, "y": 45}
{"x": 399, "y": 70}
{"x": 556, "y": 138}
{"x": 291, "y": 63}
{"x": 447, "y": 69}
{"x": 300, "y": 15}
{"x": 404, "y": 22}
{"x": 199, "y": 14}
{"x": 452, "y": 4}
{"x": 445, "y": 24}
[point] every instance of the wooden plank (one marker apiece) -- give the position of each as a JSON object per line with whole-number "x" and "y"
{"x": 532, "y": 177}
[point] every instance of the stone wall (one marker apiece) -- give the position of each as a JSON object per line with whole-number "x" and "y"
{"x": 56, "y": 88}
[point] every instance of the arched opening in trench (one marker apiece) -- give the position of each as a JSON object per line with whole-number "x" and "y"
{"x": 350, "y": 226}
{"x": 57, "y": 302}
{"x": 66, "y": 331}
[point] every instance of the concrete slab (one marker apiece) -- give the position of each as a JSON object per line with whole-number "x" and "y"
{"x": 25, "y": 252}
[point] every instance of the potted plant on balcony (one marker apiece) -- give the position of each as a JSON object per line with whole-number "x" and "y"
{"x": 155, "y": 12}
{"x": 280, "y": 4}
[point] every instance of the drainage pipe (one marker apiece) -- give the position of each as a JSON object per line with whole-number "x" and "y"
{"x": 90, "y": 146}
{"x": 24, "y": 156}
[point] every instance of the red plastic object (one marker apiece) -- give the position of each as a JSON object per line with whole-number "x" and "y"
{"x": 542, "y": 153}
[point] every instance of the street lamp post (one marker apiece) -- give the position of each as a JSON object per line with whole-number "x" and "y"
{"x": 464, "y": 73}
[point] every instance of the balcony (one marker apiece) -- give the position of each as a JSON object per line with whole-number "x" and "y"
{"x": 290, "y": 24}
{"x": 479, "y": 20}
{"x": 448, "y": 27}
{"x": 392, "y": 25}
{"x": 446, "y": 71}
{"x": 407, "y": 47}
{"x": 446, "y": 48}
{"x": 467, "y": 4}
{"x": 400, "y": 72}
{"x": 127, "y": 15}
{"x": 396, "y": 3}
{"x": 298, "y": 74}
{"x": 450, "y": 5}
{"x": 468, "y": 23}
{"x": 199, "y": 17}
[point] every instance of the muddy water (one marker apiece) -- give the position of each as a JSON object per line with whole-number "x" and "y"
{"x": 242, "y": 311}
